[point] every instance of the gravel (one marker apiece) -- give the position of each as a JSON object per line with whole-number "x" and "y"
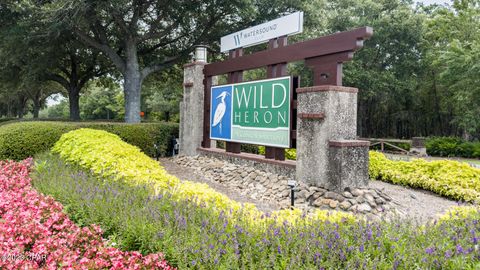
{"x": 190, "y": 175}
{"x": 419, "y": 205}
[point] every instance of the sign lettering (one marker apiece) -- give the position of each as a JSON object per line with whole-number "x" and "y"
{"x": 284, "y": 26}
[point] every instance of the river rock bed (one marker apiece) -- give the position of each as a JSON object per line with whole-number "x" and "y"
{"x": 273, "y": 188}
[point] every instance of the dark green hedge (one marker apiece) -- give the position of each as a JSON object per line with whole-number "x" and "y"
{"x": 20, "y": 140}
{"x": 5, "y": 120}
{"x": 452, "y": 147}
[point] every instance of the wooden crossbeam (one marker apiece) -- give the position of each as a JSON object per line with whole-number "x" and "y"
{"x": 348, "y": 41}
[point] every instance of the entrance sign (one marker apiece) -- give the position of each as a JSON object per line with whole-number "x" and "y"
{"x": 284, "y": 26}
{"x": 256, "y": 112}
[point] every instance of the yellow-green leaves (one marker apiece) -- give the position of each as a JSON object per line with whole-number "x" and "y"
{"x": 451, "y": 179}
{"x": 105, "y": 154}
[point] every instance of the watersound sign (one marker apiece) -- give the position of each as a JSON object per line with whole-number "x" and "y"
{"x": 256, "y": 112}
{"x": 284, "y": 26}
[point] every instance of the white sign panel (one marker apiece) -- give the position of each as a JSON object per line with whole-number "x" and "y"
{"x": 284, "y": 26}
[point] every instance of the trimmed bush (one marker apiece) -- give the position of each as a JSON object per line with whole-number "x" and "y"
{"x": 448, "y": 178}
{"x": 107, "y": 156}
{"x": 246, "y": 148}
{"x": 24, "y": 139}
{"x": 20, "y": 140}
{"x": 452, "y": 147}
{"x": 4, "y": 120}
{"x": 290, "y": 153}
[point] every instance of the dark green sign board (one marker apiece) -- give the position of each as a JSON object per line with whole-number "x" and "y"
{"x": 256, "y": 112}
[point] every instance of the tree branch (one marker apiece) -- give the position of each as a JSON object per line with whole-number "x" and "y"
{"x": 153, "y": 34}
{"x": 114, "y": 57}
{"x": 158, "y": 45}
{"x": 161, "y": 66}
{"x": 172, "y": 60}
{"x": 64, "y": 70}
{"x": 117, "y": 17}
{"x": 84, "y": 80}
{"x": 59, "y": 79}
{"x": 136, "y": 14}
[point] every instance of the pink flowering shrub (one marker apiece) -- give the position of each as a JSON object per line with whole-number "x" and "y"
{"x": 36, "y": 234}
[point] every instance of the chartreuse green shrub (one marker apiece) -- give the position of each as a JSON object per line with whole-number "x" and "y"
{"x": 459, "y": 213}
{"x": 448, "y": 178}
{"x": 106, "y": 155}
{"x": 20, "y": 140}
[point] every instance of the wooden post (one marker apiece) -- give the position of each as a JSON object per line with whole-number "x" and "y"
{"x": 234, "y": 77}
{"x": 206, "y": 143}
{"x": 273, "y": 71}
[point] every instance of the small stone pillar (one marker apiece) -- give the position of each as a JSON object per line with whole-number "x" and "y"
{"x": 191, "y": 109}
{"x": 418, "y": 146}
{"x": 348, "y": 163}
{"x": 328, "y": 155}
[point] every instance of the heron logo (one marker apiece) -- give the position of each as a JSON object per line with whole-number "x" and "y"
{"x": 221, "y": 112}
{"x": 256, "y": 112}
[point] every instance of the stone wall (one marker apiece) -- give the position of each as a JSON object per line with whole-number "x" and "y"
{"x": 285, "y": 168}
{"x": 273, "y": 188}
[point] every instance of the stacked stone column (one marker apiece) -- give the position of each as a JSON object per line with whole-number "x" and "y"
{"x": 191, "y": 109}
{"x": 328, "y": 154}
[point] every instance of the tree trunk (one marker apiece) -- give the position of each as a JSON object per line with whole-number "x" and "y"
{"x": 167, "y": 116}
{"x": 133, "y": 84}
{"x": 438, "y": 129}
{"x": 22, "y": 102}
{"x": 36, "y": 109}
{"x": 466, "y": 135}
{"x": 73, "y": 100}
{"x": 131, "y": 89}
{"x": 10, "y": 112}
{"x": 37, "y": 103}
{"x": 21, "y": 112}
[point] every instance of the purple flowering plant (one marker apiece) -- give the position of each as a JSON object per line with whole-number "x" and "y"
{"x": 193, "y": 236}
